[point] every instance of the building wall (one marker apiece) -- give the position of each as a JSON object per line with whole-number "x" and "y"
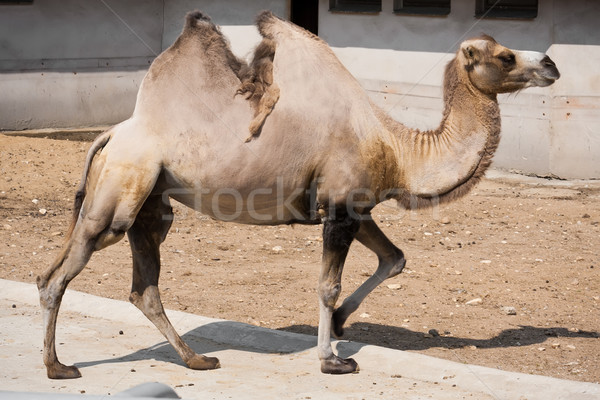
{"x": 72, "y": 63}
{"x": 546, "y": 131}
{"x": 68, "y": 63}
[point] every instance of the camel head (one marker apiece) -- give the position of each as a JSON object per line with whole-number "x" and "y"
{"x": 493, "y": 68}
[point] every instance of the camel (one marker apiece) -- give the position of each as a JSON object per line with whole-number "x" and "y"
{"x": 319, "y": 152}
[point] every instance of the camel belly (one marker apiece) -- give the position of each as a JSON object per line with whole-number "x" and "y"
{"x": 258, "y": 206}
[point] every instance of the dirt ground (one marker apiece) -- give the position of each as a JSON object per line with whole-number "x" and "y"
{"x": 507, "y": 277}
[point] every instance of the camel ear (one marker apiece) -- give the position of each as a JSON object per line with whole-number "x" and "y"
{"x": 471, "y": 53}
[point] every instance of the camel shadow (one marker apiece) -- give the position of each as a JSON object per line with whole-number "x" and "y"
{"x": 229, "y": 335}
{"x": 217, "y": 336}
{"x": 399, "y": 338}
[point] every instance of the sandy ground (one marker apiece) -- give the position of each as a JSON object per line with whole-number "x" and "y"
{"x": 507, "y": 277}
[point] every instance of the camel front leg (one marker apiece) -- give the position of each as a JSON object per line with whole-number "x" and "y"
{"x": 391, "y": 263}
{"x": 338, "y": 234}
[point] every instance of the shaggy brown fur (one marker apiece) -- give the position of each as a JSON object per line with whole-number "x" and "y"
{"x": 258, "y": 86}
{"x": 197, "y": 24}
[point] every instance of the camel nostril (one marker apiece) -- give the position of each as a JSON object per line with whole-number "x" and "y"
{"x": 547, "y": 62}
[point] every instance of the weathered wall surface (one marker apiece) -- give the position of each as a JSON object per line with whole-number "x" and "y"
{"x": 67, "y": 63}
{"x": 70, "y": 63}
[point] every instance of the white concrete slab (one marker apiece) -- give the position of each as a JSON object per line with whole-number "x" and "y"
{"x": 257, "y": 363}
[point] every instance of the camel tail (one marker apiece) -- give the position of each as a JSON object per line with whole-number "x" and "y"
{"x": 98, "y": 144}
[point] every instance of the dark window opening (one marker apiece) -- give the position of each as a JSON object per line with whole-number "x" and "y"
{"x": 422, "y": 7}
{"x": 519, "y": 9}
{"x": 305, "y": 13}
{"x": 357, "y": 6}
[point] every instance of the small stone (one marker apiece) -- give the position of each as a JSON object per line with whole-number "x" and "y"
{"x": 57, "y": 233}
{"x": 7, "y": 227}
{"x": 586, "y": 215}
{"x": 365, "y": 315}
{"x": 394, "y": 286}
{"x": 468, "y": 233}
{"x": 277, "y": 249}
{"x": 555, "y": 345}
{"x": 571, "y": 347}
{"x": 486, "y": 261}
{"x": 434, "y": 332}
{"x": 445, "y": 220}
{"x": 508, "y": 310}
{"x": 472, "y": 347}
{"x": 43, "y": 211}
{"x": 35, "y": 201}
{"x": 541, "y": 348}
{"x": 474, "y": 302}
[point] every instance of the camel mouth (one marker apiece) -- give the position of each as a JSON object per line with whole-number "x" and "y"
{"x": 542, "y": 79}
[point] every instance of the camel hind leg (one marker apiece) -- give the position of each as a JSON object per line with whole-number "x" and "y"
{"x": 145, "y": 236}
{"x": 108, "y": 211}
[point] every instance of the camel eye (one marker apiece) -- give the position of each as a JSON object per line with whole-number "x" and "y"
{"x": 508, "y": 60}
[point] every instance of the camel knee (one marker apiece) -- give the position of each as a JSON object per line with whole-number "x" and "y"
{"x": 329, "y": 293}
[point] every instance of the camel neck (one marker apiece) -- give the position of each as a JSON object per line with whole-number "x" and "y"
{"x": 445, "y": 163}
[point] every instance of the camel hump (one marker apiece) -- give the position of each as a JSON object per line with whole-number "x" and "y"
{"x": 193, "y": 18}
{"x": 272, "y": 27}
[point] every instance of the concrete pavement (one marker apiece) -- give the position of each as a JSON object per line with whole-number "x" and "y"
{"x": 117, "y": 348}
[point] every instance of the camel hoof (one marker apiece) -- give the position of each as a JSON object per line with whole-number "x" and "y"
{"x": 337, "y": 325}
{"x": 338, "y": 366}
{"x": 199, "y": 362}
{"x": 60, "y": 371}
